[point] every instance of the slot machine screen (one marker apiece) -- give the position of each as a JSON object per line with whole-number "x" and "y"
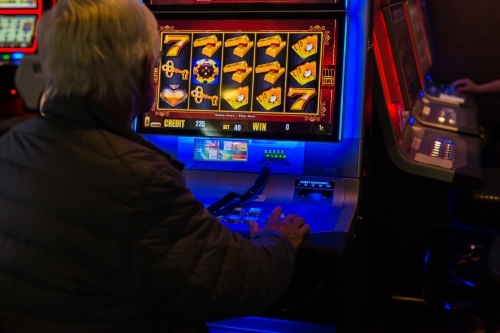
{"x": 406, "y": 65}
{"x": 274, "y": 78}
{"x": 427, "y": 26}
{"x": 17, "y": 33}
{"x": 419, "y": 37}
{"x": 18, "y": 4}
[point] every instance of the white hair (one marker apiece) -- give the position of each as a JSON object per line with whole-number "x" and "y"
{"x": 97, "y": 47}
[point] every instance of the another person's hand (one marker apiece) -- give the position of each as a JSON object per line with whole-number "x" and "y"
{"x": 292, "y": 226}
{"x": 465, "y": 85}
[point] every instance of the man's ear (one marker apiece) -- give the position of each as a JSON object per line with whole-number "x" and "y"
{"x": 147, "y": 74}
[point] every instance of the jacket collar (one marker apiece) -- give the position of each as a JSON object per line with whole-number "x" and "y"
{"x": 88, "y": 112}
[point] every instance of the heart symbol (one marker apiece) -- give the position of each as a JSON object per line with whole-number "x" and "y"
{"x": 173, "y": 97}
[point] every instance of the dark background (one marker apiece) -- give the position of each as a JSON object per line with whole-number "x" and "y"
{"x": 467, "y": 39}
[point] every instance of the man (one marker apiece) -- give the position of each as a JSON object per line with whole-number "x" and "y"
{"x": 98, "y": 232}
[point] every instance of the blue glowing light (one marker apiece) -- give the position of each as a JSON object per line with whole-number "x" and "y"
{"x": 426, "y": 258}
{"x": 412, "y": 121}
{"x": 422, "y": 94}
{"x": 354, "y": 79}
{"x": 134, "y": 124}
{"x": 17, "y": 55}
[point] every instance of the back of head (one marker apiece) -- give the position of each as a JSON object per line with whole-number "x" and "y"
{"x": 96, "y": 48}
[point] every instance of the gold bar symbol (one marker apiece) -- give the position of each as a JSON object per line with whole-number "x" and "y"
{"x": 241, "y": 70}
{"x": 269, "y": 41}
{"x": 242, "y": 43}
{"x": 211, "y": 45}
{"x": 273, "y": 69}
{"x": 237, "y": 41}
{"x": 275, "y": 45}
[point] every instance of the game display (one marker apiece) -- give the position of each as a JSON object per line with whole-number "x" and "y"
{"x": 419, "y": 38}
{"x": 407, "y": 70}
{"x": 18, "y": 4}
{"x": 17, "y": 31}
{"x": 243, "y": 77}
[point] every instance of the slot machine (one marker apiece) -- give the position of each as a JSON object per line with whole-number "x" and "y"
{"x": 408, "y": 40}
{"x": 264, "y": 102}
{"x": 417, "y": 140}
{"x": 17, "y": 38}
{"x": 18, "y": 20}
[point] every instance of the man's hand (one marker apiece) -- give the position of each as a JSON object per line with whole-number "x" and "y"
{"x": 292, "y": 226}
{"x": 465, "y": 85}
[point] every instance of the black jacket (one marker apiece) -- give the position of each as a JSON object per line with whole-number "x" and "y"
{"x": 98, "y": 232}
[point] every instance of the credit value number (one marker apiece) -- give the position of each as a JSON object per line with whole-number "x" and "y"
{"x": 200, "y": 123}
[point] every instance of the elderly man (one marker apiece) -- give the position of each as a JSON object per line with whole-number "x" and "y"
{"x": 98, "y": 232}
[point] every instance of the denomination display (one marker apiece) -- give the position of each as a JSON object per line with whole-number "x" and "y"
{"x": 247, "y": 80}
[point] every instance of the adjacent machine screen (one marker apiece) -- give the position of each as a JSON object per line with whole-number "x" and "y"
{"x": 250, "y": 78}
{"x": 419, "y": 37}
{"x": 17, "y": 32}
{"x": 18, "y": 4}
{"x": 402, "y": 45}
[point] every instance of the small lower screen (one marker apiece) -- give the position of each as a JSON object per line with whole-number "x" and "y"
{"x": 248, "y": 78}
{"x": 220, "y": 150}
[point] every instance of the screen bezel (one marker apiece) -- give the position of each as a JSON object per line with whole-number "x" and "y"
{"x": 338, "y": 92}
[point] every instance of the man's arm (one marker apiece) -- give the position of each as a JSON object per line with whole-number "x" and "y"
{"x": 190, "y": 267}
{"x": 468, "y": 85}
